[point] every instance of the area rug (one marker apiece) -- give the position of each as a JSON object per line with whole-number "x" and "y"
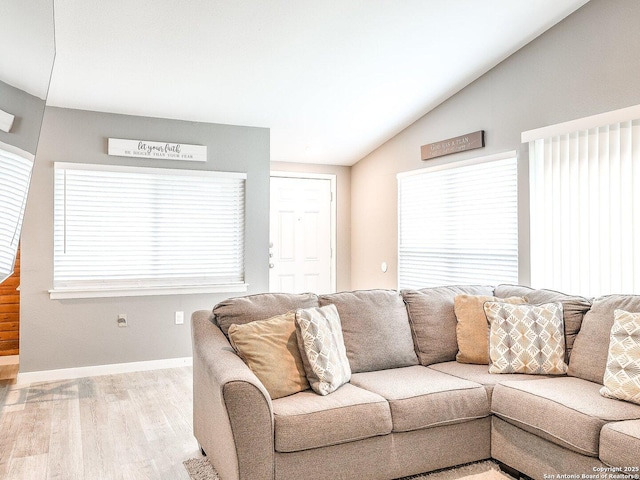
{"x": 201, "y": 469}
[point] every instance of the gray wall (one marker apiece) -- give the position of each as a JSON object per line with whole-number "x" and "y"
{"x": 343, "y": 208}
{"x": 587, "y": 64}
{"x": 74, "y": 333}
{"x": 28, "y": 111}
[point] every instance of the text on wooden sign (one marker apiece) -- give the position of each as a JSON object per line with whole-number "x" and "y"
{"x": 469, "y": 141}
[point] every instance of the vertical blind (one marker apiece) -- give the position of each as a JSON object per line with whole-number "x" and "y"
{"x": 459, "y": 225}
{"x": 585, "y": 210}
{"x": 119, "y": 227}
{"x": 15, "y": 174}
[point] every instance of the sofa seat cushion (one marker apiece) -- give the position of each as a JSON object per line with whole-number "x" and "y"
{"x": 480, "y": 374}
{"x": 620, "y": 444}
{"x": 421, "y": 398}
{"x": 307, "y": 420}
{"x": 567, "y": 411}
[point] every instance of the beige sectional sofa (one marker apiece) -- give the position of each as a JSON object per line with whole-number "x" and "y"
{"x": 410, "y": 407}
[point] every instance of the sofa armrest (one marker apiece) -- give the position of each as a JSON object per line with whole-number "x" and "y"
{"x": 232, "y": 411}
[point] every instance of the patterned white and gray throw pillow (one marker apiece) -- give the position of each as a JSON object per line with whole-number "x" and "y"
{"x": 321, "y": 345}
{"x": 526, "y": 338}
{"x": 622, "y": 375}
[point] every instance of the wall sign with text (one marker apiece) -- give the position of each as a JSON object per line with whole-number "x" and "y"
{"x": 469, "y": 141}
{"x": 157, "y": 150}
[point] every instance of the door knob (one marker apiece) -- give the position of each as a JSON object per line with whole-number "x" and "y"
{"x": 271, "y": 265}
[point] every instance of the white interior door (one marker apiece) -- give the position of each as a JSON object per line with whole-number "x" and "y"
{"x": 300, "y": 232}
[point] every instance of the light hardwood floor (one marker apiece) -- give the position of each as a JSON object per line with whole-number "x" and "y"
{"x": 128, "y": 426}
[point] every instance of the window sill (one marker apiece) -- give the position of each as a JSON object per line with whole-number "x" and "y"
{"x": 68, "y": 293}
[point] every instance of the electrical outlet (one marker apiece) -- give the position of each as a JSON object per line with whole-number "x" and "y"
{"x": 122, "y": 320}
{"x": 179, "y": 318}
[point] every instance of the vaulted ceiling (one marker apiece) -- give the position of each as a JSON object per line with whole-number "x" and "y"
{"x": 332, "y": 79}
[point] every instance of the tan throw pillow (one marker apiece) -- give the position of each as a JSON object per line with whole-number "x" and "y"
{"x": 270, "y": 349}
{"x": 472, "y": 329}
{"x": 526, "y": 338}
{"x": 622, "y": 376}
{"x": 321, "y": 345}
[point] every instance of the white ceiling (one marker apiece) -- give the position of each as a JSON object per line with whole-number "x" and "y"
{"x": 26, "y": 44}
{"x": 332, "y": 79}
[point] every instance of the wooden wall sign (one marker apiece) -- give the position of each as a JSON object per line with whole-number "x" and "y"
{"x": 469, "y": 141}
{"x": 157, "y": 150}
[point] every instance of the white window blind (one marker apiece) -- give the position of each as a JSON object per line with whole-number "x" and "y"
{"x": 585, "y": 210}
{"x": 15, "y": 174}
{"x": 123, "y": 228}
{"x": 459, "y": 224}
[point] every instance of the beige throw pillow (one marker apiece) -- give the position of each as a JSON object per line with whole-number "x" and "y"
{"x": 526, "y": 338}
{"x": 321, "y": 345}
{"x": 270, "y": 349}
{"x": 622, "y": 376}
{"x": 472, "y": 329}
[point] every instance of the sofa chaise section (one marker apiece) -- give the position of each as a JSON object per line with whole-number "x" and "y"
{"x": 568, "y": 412}
{"x": 567, "y": 422}
{"x": 533, "y": 455}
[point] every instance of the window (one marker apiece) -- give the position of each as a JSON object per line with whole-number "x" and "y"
{"x": 15, "y": 174}
{"x": 585, "y": 205}
{"x": 458, "y": 223}
{"x": 134, "y": 231}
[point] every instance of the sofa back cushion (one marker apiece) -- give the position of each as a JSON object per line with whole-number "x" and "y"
{"x": 433, "y": 320}
{"x": 591, "y": 348}
{"x": 240, "y": 310}
{"x": 574, "y": 308}
{"x": 375, "y": 328}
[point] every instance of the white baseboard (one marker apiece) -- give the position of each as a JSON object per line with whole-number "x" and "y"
{"x": 96, "y": 370}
